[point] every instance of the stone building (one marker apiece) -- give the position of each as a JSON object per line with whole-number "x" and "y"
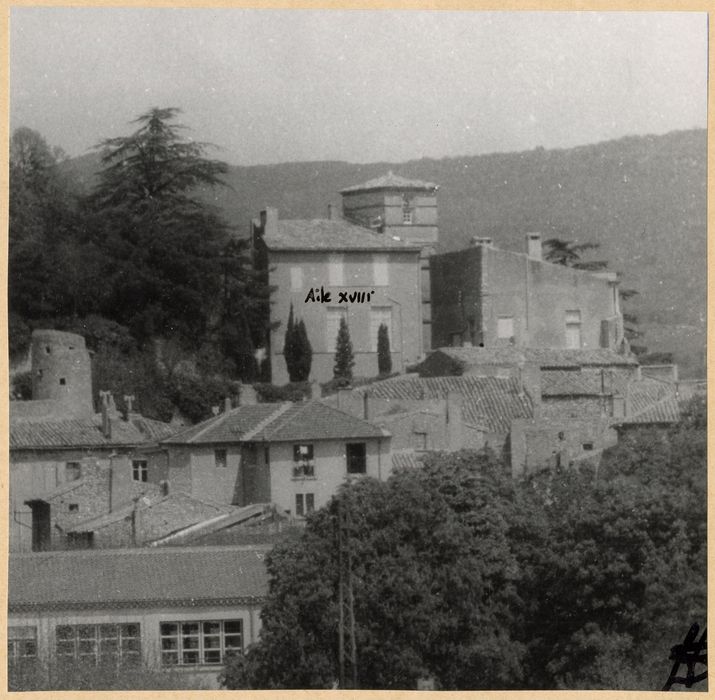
{"x": 488, "y": 297}
{"x": 295, "y": 455}
{"x": 57, "y": 439}
{"x": 376, "y": 254}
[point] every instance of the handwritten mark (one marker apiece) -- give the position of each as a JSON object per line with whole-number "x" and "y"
{"x": 692, "y": 651}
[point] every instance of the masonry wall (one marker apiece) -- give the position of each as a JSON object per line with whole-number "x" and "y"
{"x": 34, "y": 473}
{"x": 149, "y": 621}
{"x": 540, "y": 443}
{"x": 473, "y": 289}
{"x": 365, "y": 207}
{"x": 402, "y": 294}
{"x": 329, "y": 473}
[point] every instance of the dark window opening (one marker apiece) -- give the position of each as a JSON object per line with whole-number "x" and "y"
{"x": 62, "y": 381}
{"x": 47, "y": 349}
{"x": 303, "y": 462}
{"x": 73, "y": 471}
{"x": 74, "y": 507}
{"x": 356, "y": 458}
{"x": 587, "y": 445}
{"x": 140, "y": 470}
{"x": 220, "y": 459}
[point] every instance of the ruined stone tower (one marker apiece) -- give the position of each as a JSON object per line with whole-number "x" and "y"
{"x": 62, "y": 371}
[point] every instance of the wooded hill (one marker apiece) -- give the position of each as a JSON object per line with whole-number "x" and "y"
{"x": 643, "y": 199}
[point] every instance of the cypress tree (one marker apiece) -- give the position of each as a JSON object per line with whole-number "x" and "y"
{"x": 384, "y": 359}
{"x": 304, "y": 353}
{"x": 290, "y": 347}
{"x": 344, "y": 359}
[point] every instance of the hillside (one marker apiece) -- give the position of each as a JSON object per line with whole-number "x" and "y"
{"x": 642, "y": 198}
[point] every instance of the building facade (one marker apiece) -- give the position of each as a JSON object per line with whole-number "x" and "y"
{"x": 178, "y": 609}
{"x": 293, "y": 455}
{"x": 488, "y": 297}
{"x": 369, "y": 265}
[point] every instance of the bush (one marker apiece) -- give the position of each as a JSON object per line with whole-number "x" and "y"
{"x": 293, "y": 391}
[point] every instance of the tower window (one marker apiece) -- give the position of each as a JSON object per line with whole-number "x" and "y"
{"x": 63, "y": 381}
{"x": 47, "y": 349}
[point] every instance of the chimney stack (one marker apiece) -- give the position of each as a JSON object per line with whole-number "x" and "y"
{"x": 227, "y": 404}
{"x": 269, "y": 220}
{"x": 333, "y": 213}
{"x": 533, "y": 246}
{"x": 107, "y": 403}
{"x": 247, "y": 395}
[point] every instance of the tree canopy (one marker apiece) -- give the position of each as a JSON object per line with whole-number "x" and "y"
{"x": 570, "y": 578}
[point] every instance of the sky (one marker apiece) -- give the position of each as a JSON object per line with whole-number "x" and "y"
{"x": 274, "y": 86}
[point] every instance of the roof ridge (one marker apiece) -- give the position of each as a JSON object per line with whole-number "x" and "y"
{"x": 262, "y": 425}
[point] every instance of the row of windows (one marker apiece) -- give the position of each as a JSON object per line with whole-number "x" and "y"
{"x": 505, "y": 329}
{"x": 379, "y": 315}
{"x": 182, "y": 643}
{"x": 336, "y": 273}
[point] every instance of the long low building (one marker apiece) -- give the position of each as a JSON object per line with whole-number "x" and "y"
{"x": 178, "y": 608}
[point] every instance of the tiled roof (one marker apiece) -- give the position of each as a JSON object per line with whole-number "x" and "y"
{"x": 237, "y": 516}
{"x": 642, "y": 394}
{"x": 487, "y": 402}
{"x": 161, "y": 515}
{"x": 544, "y": 357}
{"x": 651, "y": 401}
{"x": 586, "y": 381}
{"x": 138, "y": 577}
{"x": 284, "y": 422}
{"x": 83, "y": 432}
{"x": 409, "y": 460}
{"x": 664, "y": 411}
{"x": 226, "y": 427}
{"x": 390, "y": 181}
{"x": 330, "y": 235}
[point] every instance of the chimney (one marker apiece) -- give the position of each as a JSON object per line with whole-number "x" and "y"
{"x": 333, "y": 213}
{"x": 481, "y": 241}
{"x": 314, "y": 390}
{"x": 106, "y": 397}
{"x": 128, "y": 404}
{"x": 269, "y": 220}
{"x": 247, "y": 396}
{"x": 215, "y": 410}
{"x": 618, "y": 406}
{"x": 533, "y": 246}
{"x": 455, "y": 436}
{"x": 227, "y": 404}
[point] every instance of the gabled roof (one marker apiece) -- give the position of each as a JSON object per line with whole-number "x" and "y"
{"x": 32, "y": 433}
{"x": 330, "y": 235}
{"x": 489, "y": 403}
{"x": 160, "y": 515}
{"x": 545, "y": 357}
{"x": 664, "y": 411}
{"x": 284, "y": 422}
{"x": 390, "y": 181}
{"x": 139, "y": 577}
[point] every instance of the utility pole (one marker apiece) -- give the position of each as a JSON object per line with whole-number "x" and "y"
{"x": 347, "y": 649}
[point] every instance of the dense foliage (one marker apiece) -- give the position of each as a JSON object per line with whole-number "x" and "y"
{"x": 297, "y": 350}
{"x": 344, "y": 358}
{"x": 568, "y": 579}
{"x": 142, "y": 255}
{"x": 384, "y": 358}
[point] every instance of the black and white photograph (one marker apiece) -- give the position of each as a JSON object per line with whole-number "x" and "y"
{"x": 357, "y": 349}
